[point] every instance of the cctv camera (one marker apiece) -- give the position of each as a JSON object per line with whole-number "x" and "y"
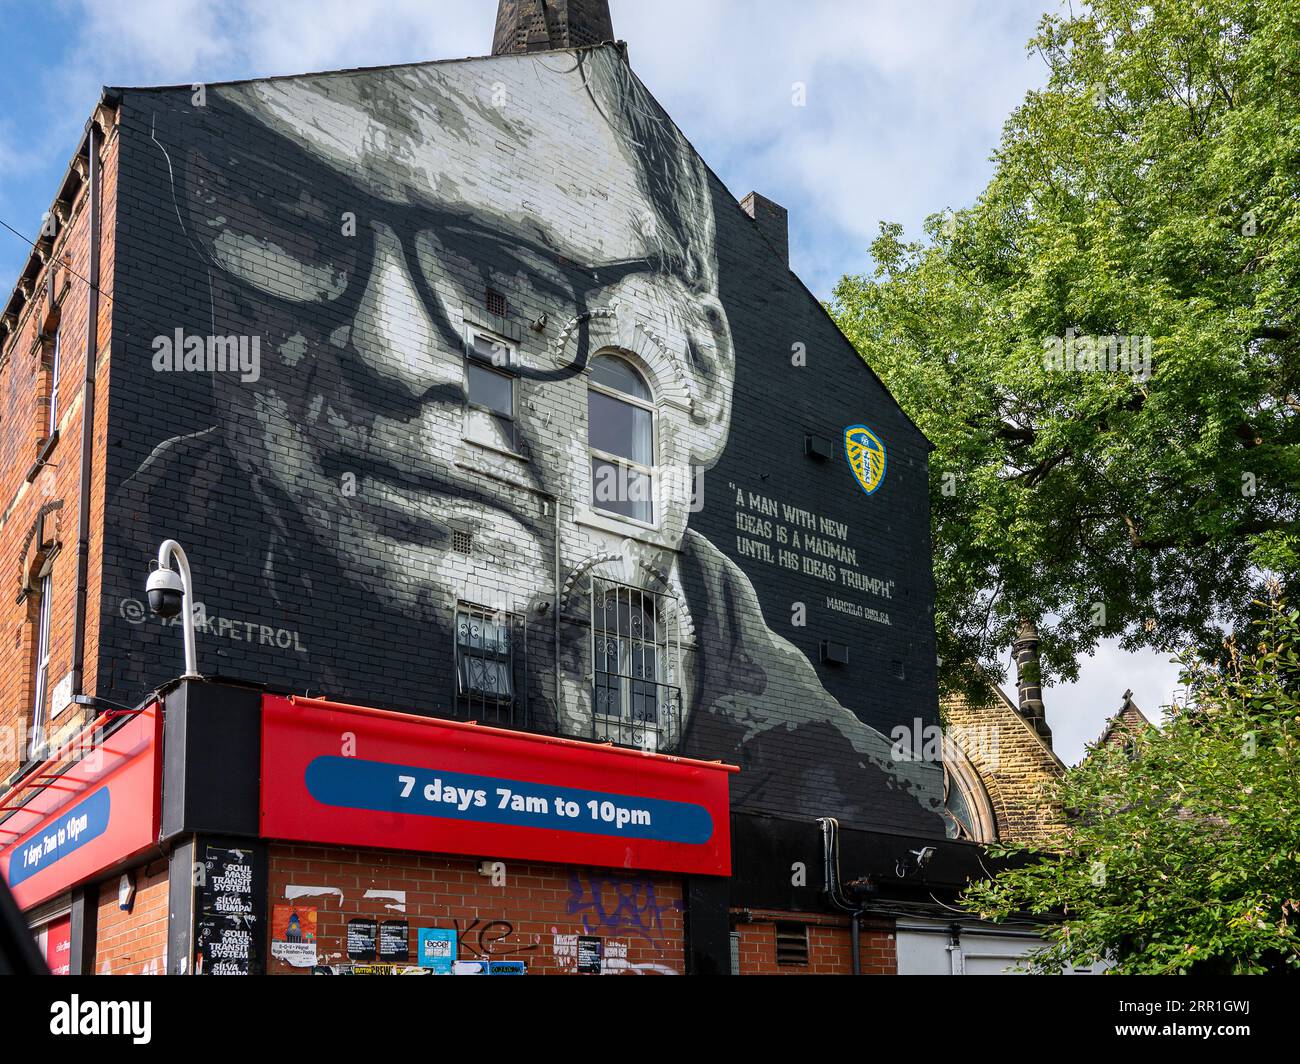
{"x": 166, "y": 593}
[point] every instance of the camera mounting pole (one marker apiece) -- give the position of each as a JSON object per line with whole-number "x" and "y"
{"x": 170, "y": 594}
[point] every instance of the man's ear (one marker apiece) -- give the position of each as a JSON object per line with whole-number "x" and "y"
{"x": 711, "y": 364}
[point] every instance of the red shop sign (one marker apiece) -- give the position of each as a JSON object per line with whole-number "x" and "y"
{"x": 103, "y": 809}
{"x": 58, "y": 945}
{"x": 351, "y": 776}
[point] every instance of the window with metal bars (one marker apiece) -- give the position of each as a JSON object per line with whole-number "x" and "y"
{"x": 489, "y": 653}
{"x": 636, "y": 654}
{"x": 792, "y": 944}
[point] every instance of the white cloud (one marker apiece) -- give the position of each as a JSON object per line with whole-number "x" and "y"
{"x": 1077, "y": 713}
{"x": 904, "y": 105}
{"x": 904, "y": 101}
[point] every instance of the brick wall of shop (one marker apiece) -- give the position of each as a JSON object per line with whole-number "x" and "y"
{"x": 830, "y": 947}
{"x": 135, "y": 942}
{"x": 535, "y": 915}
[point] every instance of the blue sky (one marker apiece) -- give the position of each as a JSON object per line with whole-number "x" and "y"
{"x": 904, "y": 104}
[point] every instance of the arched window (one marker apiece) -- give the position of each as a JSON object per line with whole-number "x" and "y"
{"x": 621, "y": 437}
{"x": 967, "y": 809}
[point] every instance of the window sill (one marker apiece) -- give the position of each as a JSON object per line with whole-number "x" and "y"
{"x": 493, "y": 449}
{"x": 624, "y": 527}
{"x": 43, "y": 456}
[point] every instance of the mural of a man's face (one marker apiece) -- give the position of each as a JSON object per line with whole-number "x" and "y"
{"x": 355, "y": 229}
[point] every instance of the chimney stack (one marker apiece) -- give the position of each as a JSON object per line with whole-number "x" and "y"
{"x": 1029, "y": 679}
{"x": 772, "y": 221}
{"x": 542, "y": 25}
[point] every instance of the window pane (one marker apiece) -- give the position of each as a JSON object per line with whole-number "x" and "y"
{"x": 41, "y": 679}
{"x": 619, "y": 489}
{"x": 616, "y": 374}
{"x": 484, "y": 636}
{"x": 54, "y": 388}
{"x": 496, "y": 391}
{"x": 620, "y": 428}
{"x": 484, "y": 666}
{"x": 485, "y": 678}
{"x": 492, "y": 351}
{"x": 609, "y": 697}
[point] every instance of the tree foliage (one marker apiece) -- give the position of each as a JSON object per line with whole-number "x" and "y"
{"x": 1182, "y": 854}
{"x": 1150, "y": 190}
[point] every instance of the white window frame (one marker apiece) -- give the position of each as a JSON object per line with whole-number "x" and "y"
{"x": 508, "y": 371}
{"x": 650, "y": 471}
{"x": 52, "y": 419}
{"x": 41, "y": 678}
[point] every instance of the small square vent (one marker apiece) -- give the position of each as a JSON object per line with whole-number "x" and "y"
{"x": 792, "y": 944}
{"x": 496, "y": 303}
{"x": 834, "y": 653}
{"x": 818, "y": 447}
{"x": 462, "y": 542}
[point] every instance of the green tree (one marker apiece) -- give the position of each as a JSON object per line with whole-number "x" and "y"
{"x": 1183, "y": 851}
{"x": 1150, "y": 192}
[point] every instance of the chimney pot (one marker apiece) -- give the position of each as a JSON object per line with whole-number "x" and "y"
{"x": 1029, "y": 679}
{"x": 772, "y": 221}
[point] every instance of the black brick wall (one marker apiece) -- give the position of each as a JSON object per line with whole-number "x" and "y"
{"x": 286, "y": 609}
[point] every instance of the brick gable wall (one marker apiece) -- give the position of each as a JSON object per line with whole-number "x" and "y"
{"x": 1014, "y": 764}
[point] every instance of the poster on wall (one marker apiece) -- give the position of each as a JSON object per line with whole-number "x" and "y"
{"x": 57, "y": 936}
{"x": 293, "y": 935}
{"x": 590, "y": 952}
{"x": 437, "y": 949}
{"x": 363, "y": 934}
{"x": 226, "y": 925}
{"x": 394, "y": 940}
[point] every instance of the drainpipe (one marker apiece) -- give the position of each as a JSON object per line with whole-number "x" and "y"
{"x": 87, "y": 417}
{"x": 831, "y": 877}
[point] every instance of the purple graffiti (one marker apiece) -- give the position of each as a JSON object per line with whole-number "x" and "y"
{"x": 612, "y": 904}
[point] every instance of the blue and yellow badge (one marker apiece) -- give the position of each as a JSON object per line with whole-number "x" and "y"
{"x": 867, "y": 457}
